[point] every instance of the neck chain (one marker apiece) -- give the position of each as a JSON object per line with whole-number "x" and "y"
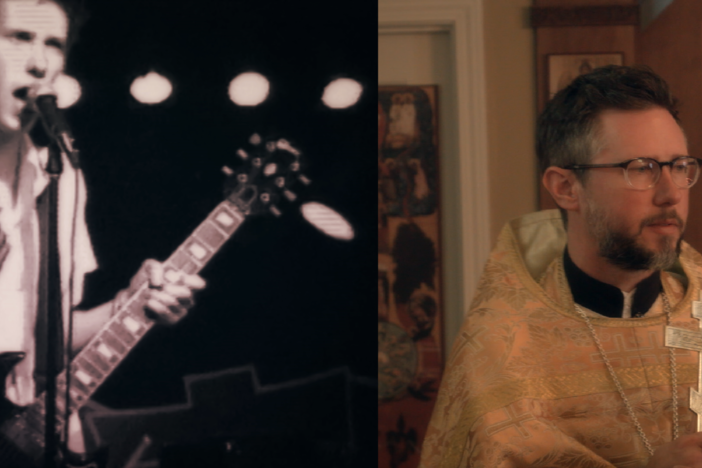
{"x": 673, "y": 376}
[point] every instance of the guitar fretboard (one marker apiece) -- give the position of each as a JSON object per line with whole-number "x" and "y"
{"x": 96, "y": 361}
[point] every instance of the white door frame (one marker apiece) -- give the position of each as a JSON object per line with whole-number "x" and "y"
{"x": 470, "y": 239}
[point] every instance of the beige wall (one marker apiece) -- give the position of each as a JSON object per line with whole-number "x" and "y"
{"x": 419, "y": 59}
{"x": 511, "y": 110}
{"x": 671, "y": 47}
{"x": 426, "y": 57}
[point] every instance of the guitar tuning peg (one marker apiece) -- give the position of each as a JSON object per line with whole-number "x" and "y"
{"x": 289, "y": 195}
{"x": 302, "y": 178}
{"x": 270, "y": 169}
{"x": 273, "y": 209}
{"x": 256, "y": 162}
{"x": 242, "y": 154}
{"x": 255, "y": 139}
{"x": 227, "y": 170}
{"x": 285, "y": 145}
{"x": 265, "y": 197}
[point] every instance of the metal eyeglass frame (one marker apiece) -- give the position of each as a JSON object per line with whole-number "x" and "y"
{"x": 660, "y": 165}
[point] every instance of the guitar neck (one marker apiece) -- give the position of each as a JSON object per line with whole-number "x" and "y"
{"x": 96, "y": 361}
{"x": 117, "y": 338}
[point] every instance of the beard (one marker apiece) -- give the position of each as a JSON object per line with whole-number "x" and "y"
{"x": 624, "y": 250}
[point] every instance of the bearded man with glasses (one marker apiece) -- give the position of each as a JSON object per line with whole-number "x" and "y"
{"x": 562, "y": 359}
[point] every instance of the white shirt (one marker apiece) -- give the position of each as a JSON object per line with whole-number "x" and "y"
{"x": 19, "y": 274}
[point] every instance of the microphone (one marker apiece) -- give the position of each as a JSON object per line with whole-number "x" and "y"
{"x": 56, "y": 126}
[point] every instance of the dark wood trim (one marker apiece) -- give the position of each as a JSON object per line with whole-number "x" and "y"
{"x": 615, "y": 15}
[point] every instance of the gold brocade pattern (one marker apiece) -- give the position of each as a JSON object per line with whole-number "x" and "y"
{"x": 525, "y": 384}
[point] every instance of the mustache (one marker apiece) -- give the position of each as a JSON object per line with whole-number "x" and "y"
{"x": 665, "y": 216}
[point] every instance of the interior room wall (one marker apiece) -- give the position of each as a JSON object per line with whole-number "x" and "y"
{"x": 511, "y": 110}
{"x": 511, "y": 90}
{"x": 421, "y": 58}
{"x": 425, "y": 58}
{"x": 671, "y": 46}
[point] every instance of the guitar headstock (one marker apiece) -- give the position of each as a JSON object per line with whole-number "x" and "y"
{"x": 269, "y": 169}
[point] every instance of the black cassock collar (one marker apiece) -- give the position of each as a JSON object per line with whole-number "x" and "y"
{"x": 606, "y": 299}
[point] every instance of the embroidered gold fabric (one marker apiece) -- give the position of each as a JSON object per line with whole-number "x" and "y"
{"x": 525, "y": 384}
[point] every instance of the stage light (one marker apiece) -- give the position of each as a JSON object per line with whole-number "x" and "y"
{"x": 342, "y": 93}
{"x": 151, "y": 88}
{"x": 327, "y": 220}
{"x": 249, "y": 89}
{"x": 67, "y": 91}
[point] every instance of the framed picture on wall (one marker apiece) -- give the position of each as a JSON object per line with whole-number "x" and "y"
{"x": 563, "y": 68}
{"x": 410, "y": 333}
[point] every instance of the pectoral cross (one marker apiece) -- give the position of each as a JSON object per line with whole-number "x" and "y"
{"x": 692, "y": 341}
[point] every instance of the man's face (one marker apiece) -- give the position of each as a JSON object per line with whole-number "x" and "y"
{"x": 636, "y": 229}
{"x": 32, "y": 42}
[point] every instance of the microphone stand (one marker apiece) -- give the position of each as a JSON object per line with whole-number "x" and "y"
{"x": 61, "y": 143}
{"x": 54, "y": 339}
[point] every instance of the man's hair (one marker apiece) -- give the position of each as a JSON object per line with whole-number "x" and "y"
{"x": 567, "y": 131}
{"x": 75, "y": 13}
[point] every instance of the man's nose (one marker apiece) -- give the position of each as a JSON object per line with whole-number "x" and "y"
{"x": 37, "y": 62}
{"x": 667, "y": 191}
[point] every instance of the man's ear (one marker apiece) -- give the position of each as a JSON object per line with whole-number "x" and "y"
{"x": 563, "y": 187}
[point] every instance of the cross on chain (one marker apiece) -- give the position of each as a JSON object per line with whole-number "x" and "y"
{"x": 692, "y": 341}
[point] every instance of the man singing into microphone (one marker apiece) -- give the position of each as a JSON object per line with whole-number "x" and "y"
{"x": 33, "y": 40}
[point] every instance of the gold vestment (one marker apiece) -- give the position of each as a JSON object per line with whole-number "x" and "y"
{"x": 525, "y": 385}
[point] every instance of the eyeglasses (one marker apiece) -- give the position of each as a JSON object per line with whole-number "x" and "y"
{"x": 644, "y": 173}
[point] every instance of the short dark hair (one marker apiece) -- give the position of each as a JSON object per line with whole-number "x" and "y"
{"x": 76, "y": 15}
{"x": 567, "y": 130}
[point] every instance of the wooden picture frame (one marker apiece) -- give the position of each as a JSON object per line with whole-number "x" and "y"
{"x": 564, "y": 68}
{"x": 410, "y": 333}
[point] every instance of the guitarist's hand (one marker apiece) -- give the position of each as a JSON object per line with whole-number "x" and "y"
{"x": 169, "y": 299}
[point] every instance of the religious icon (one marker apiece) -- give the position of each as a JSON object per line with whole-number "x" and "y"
{"x": 409, "y": 291}
{"x": 407, "y": 152}
{"x": 564, "y": 68}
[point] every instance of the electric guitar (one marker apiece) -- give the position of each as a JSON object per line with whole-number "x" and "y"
{"x": 268, "y": 171}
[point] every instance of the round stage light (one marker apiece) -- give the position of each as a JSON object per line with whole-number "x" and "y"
{"x": 151, "y": 88}
{"x": 67, "y": 91}
{"x": 249, "y": 89}
{"x": 342, "y": 93}
{"x": 327, "y": 220}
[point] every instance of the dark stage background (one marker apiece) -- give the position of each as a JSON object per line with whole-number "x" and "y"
{"x": 281, "y": 296}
